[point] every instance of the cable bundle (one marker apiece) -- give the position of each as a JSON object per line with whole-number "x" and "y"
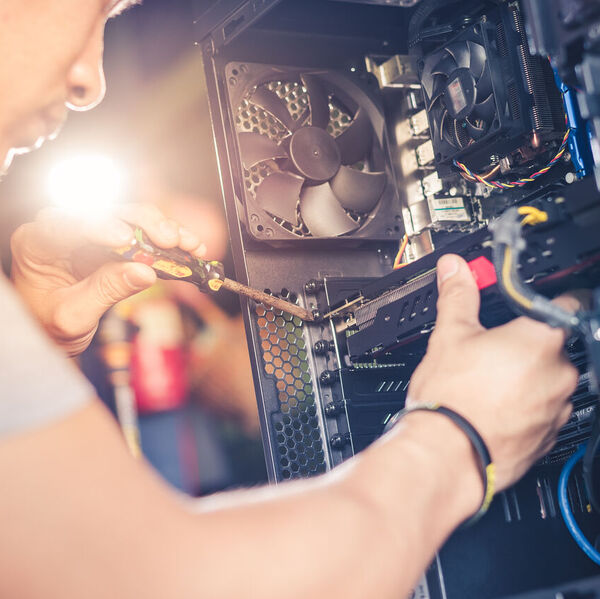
{"x": 519, "y": 182}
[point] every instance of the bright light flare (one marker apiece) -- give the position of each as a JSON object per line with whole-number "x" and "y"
{"x": 86, "y": 185}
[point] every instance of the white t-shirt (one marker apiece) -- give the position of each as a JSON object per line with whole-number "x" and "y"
{"x": 38, "y": 385}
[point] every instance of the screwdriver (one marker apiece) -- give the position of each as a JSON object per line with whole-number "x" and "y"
{"x": 176, "y": 264}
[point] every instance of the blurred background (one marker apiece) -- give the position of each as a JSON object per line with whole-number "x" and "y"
{"x": 187, "y": 361}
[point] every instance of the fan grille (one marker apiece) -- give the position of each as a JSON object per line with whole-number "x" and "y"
{"x": 253, "y": 118}
{"x": 293, "y": 95}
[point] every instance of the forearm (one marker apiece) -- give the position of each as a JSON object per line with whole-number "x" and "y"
{"x": 374, "y": 524}
{"x": 77, "y": 498}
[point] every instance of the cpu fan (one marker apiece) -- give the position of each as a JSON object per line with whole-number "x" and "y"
{"x": 312, "y": 151}
{"x": 458, "y": 86}
{"x": 485, "y": 94}
{"x": 459, "y": 94}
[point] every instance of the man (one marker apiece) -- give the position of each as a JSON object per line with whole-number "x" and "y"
{"x": 80, "y": 518}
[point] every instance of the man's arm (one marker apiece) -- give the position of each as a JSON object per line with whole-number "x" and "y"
{"x": 79, "y": 517}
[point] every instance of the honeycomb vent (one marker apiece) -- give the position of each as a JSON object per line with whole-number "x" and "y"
{"x": 295, "y": 424}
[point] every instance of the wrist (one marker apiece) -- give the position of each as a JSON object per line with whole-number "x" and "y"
{"x": 425, "y": 464}
{"x": 448, "y": 453}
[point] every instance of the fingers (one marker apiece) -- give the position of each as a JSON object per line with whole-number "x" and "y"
{"x": 569, "y": 377}
{"x": 164, "y": 232}
{"x": 190, "y": 242}
{"x": 458, "y": 303}
{"x": 575, "y": 300}
{"x": 55, "y": 234}
{"x": 114, "y": 282}
{"x": 81, "y": 305}
{"x": 548, "y": 337}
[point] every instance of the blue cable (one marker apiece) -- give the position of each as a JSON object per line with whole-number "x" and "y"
{"x": 565, "y": 508}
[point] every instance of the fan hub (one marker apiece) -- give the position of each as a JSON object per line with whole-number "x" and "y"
{"x": 460, "y": 93}
{"x": 315, "y": 154}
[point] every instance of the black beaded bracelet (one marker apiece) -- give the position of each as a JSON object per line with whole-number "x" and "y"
{"x": 486, "y": 466}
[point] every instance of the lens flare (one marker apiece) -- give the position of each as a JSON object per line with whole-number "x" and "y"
{"x": 86, "y": 185}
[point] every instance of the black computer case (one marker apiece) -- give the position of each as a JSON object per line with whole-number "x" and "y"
{"x": 269, "y": 64}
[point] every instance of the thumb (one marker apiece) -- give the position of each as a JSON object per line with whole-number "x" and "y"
{"x": 89, "y": 299}
{"x": 458, "y": 295}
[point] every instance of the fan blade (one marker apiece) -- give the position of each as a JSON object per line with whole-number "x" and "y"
{"x": 271, "y": 102}
{"x": 477, "y": 59}
{"x": 474, "y": 131}
{"x": 279, "y": 193}
{"x": 439, "y": 86}
{"x": 355, "y": 142}
{"x": 461, "y": 136}
{"x": 256, "y": 148}
{"x": 426, "y": 74}
{"x": 484, "y": 86}
{"x": 445, "y": 66}
{"x": 446, "y": 130}
{"x": 460, "y": 53}
{"x": 356, "y": 190}
{"x": 436, "y": 132}
{"x": 486, "y": 110}
{"x": 322, "y": 213}
{"x": 318, "y": 100}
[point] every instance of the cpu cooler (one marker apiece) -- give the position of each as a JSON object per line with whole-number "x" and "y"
{"x": 313, "y": 154}
{"x": 486, "y": 95}
{"x": 458, "y": 85}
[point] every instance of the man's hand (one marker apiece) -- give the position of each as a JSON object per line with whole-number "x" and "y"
{"x": 62, "y": 271}
{"x": 512, "y": 382}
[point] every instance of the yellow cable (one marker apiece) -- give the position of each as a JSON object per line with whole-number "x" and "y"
{"x": 510, "y": 289}
{"x": 533, "y": 216}
{"x": 401, "y": 250}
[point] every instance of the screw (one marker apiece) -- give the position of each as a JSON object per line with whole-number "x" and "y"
{"x": 313, "y": 286}
{"x": 333, "y": 408}
{"x": 338, "y": 441}
{"x": 328, "y": 377}
{"x": 322, "y": 347}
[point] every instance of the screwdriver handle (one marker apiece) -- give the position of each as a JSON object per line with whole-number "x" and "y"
{"x": 174, "y": 263}
{"x": 208, "y": 276}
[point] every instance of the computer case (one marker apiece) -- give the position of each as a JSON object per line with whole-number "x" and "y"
{"x": 312, "y": 231}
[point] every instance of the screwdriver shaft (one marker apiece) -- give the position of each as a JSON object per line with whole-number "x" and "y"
{"x": 268, "y": 300}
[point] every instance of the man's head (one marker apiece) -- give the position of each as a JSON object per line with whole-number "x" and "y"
{"x": 50, "y": 60}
